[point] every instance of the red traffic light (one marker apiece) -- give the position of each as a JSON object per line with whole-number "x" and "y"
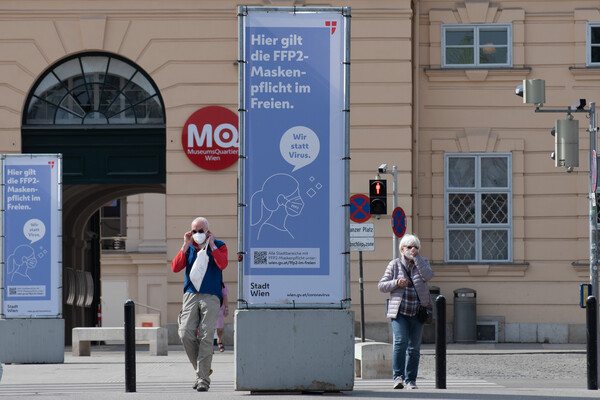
{"x": 378, "y": 196}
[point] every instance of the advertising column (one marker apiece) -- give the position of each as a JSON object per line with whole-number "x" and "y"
{"x": 294, "y": 313}
{"x": 31, "y": 236}
{"x": 293, "y": 180}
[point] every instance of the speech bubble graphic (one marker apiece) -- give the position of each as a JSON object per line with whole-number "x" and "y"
{"x": 299, "y": 146}
{"x": 34, "y": 230}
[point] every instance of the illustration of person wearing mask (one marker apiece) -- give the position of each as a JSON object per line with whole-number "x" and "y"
{"x": 278, "y": 199}
{"x": 21, "y": 261}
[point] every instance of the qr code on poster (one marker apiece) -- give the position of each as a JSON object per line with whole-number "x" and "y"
{"x": 12, "y": 291}
{"x": 260, "y": 257}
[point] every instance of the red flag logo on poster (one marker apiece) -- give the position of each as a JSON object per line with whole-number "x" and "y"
{"x": 210, "y": 138}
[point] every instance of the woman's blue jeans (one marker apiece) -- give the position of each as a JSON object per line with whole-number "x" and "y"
{"x": 408, "y": 332}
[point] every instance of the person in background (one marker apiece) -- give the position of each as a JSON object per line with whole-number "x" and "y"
{"x": 222, "y": 315}
{"x": 200, "y": 308}
{"x": 405, "y": 279}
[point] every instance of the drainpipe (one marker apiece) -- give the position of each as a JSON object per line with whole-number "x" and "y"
{"x": 415, "y": 114}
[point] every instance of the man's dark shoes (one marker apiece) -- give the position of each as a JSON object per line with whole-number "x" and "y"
{"x": 202, "y": 387}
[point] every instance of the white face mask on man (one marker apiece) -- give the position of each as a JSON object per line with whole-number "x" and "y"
{"x": 199, "y": 238}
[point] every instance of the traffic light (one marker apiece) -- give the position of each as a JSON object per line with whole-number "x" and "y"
{"x": 566, "y": 143}
{"x": 532, "y": 91}
{"x": 378, "y": 196}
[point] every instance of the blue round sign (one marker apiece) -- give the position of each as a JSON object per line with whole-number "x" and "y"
{"x": 360, "y": 210}
{"x": 399, "y": 222}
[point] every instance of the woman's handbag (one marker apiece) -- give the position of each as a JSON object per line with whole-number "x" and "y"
{"x": 424, "y": 315}
{"x": 199, "y": 267}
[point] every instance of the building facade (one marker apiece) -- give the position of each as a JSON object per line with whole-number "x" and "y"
{"x": 432, "y": 92}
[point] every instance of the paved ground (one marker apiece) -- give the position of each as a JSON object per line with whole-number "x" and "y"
{"x": 480, "y": 371}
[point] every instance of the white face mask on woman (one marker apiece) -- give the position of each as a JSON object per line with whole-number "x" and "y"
{"x": 199, "y": 237}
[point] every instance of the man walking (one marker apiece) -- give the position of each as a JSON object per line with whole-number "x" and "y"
{"x": 201, "y": 306}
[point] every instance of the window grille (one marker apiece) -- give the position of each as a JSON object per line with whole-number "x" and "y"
{"x": 478, "y": 217}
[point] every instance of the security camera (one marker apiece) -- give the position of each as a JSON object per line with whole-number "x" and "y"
{"x": 519, "y": 90}
{"x": 579, "y": 104}
{"x": 382, "y": 168}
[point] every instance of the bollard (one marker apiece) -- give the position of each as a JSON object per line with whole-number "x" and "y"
{"x": 129, "y": 346}
{"x": 440, "y": 342}
{"x": 592, "y": 342}
{"x": 362, "y": 297}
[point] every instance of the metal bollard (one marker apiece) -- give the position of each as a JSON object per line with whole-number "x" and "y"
{"x": 440, "y": 342}
{"x": 592, "y": 342}
{"x": 129, "y": 346}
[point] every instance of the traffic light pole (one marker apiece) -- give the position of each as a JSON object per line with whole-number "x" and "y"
{"x": 592, "y": 180}
{"x": 593, "y": 131}
{"x": 533, "y": 91}
{"x": 394, "y": 203}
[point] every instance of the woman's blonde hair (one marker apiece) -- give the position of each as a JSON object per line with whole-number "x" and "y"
{"x": 409, "y": 240}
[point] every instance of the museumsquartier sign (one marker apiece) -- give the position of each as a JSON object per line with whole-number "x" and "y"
{"x": 210, "y": 138}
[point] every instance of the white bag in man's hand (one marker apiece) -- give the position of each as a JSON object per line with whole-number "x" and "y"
{"x": 199, "y": 268}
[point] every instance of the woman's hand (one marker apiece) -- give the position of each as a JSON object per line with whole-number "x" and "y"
{"x": 411, "y": 251}
{"x": 402, "y": 282}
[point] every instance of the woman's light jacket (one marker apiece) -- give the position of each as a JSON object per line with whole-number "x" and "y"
{"x": 421, "y": 274}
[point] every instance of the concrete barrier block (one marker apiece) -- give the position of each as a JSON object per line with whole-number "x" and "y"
{"x": 36, "y": 340}
{"x": 294, "y": 350}
{"x": 373, "y": 360}
{"x": 159, "y": 344}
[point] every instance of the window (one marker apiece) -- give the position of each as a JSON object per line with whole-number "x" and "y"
{"x": 94, "y": 89}
{"x": 482, "y": 46}
{"x": 112, "y": 224}
{"x": 477, "y": 200}
{"x": 593, "y": 44}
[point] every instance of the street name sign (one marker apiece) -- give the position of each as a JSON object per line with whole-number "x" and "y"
{"x": 362, "y": 237}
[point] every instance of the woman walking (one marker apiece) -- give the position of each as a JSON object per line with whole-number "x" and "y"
{"x": 405, "y": 279}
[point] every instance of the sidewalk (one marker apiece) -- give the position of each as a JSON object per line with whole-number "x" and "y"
{"x": 507, "y": 348}
{"x": 102, "y": 376}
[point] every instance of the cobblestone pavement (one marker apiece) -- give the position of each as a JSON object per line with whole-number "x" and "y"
{"x": 537, "y": 368}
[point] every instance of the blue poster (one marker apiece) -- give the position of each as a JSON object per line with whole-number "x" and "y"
{"x": 26, "y": 216}
{"x": 288, "y": 137}
{"x": 30, "y": 245}
{"x": 293, "y": 139}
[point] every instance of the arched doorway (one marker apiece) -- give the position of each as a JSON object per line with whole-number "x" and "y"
{"x": 106, "y": 117}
